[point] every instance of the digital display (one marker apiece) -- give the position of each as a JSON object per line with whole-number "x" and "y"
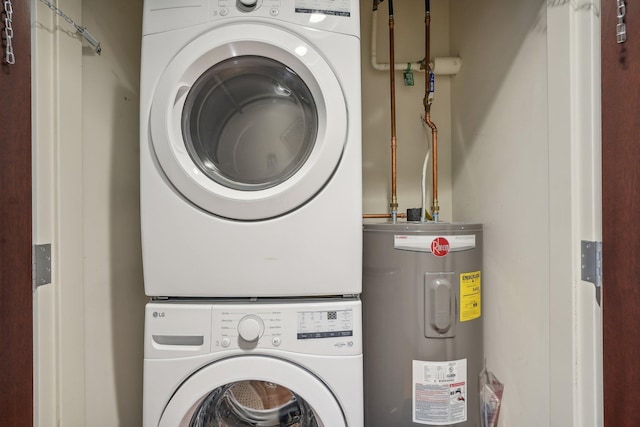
{"x": 325, "y": 324}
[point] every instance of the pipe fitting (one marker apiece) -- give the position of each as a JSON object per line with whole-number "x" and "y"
{"x": 435, "y": 210}
{"x": 394, "y": 203}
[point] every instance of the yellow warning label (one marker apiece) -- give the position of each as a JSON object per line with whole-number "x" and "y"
{"x": 470, "y": 300}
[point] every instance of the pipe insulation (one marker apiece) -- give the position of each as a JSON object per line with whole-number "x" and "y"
{"x": 441, "y": 66}
{"x": 445, "y": 66}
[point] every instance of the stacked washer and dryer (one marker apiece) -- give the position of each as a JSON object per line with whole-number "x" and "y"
{"x": 251, "y": 213}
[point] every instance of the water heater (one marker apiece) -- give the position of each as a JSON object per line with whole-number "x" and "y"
{"x": 422, "y": 308}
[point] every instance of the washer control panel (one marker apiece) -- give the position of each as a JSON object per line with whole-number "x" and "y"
{"x": 185, "y": 329}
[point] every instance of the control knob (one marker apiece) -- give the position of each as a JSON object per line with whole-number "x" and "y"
{"x": 247, "y": 4}
{"x": 250, "y": 328}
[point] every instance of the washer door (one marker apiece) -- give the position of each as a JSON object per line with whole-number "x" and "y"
{"x": 248, "y": 121}
{"x": 252, "y": 391}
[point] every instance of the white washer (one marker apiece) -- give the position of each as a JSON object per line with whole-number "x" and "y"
{"x": 251, "y": 148}
{"x": 284, "y": 363}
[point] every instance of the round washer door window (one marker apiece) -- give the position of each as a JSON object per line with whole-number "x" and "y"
{"x": 253, "y": 391}
{"x": 254, "y": 403}
{"x": 248, "y": 122}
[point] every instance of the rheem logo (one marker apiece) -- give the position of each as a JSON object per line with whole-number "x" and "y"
{"x": 440, "y": 246}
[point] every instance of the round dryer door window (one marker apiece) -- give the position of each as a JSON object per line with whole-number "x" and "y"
{"x": 253, "y": 391}
{"x": 248, "y": 122}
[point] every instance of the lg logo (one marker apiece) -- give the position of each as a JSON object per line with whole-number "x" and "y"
{"x": 157, "y": 314}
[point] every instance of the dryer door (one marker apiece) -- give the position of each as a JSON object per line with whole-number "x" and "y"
{"x": 253, "y": 391}
{"x": 248, "y": 121}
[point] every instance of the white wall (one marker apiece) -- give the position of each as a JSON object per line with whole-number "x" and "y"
{"x": 114, "y": 294}
{"x": 501, "y": 179}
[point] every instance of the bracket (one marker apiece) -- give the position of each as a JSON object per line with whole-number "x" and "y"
{"x": 41, "y": 265}
{"x": 591, "y": 265}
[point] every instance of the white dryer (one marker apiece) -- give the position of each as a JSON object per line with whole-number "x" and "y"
{"x": 284, "y": 363}
{"x": 251, "y": 148}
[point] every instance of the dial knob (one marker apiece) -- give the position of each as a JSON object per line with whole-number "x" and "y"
{"x": 250, "y": 328}
{"x": 248, "y": 4}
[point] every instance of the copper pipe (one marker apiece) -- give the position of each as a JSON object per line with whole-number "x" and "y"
{"x": 434, "y": 137}
{"x": 394, "y": 198}
{"x": 368, "y": 216}
{"x": 435, "y": 208}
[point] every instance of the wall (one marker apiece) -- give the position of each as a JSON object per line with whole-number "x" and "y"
{"x": 500, "y": 178}
{"x": 114, "y": 295}
{"x": 526, "y": 162}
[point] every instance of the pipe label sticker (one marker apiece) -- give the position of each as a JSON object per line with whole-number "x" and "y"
{"x": 440, "y": 392}
{"x": 422, "y": 243}
{"x": 470, "y": 296}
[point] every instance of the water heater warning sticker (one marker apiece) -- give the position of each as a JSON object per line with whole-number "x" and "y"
{"x": 470, "y": 297}
{"x": 440, "y": 392}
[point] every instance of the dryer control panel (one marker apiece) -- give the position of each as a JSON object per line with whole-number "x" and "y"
{"x": 341, "y": 16}
{"x": 343, "y": 8}
{"x": 235, "y": 7}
